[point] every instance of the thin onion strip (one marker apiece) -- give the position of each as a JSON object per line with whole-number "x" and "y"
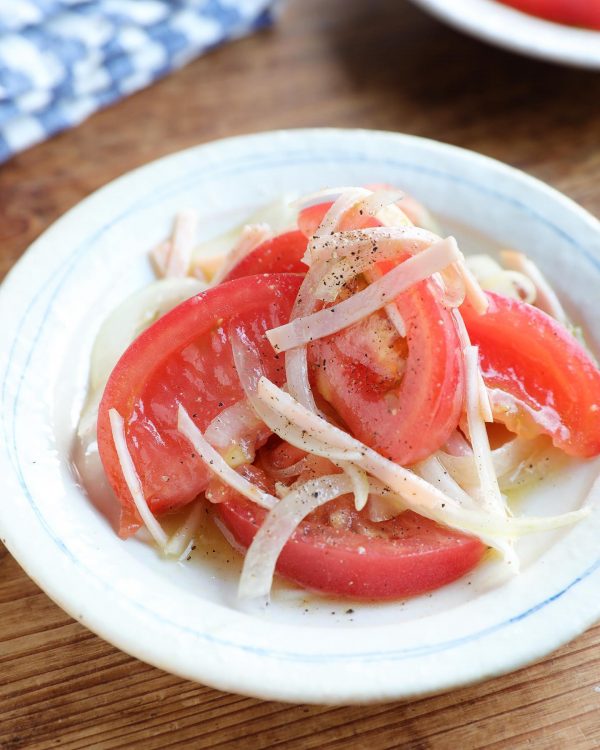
{"x": 217, "y": 464}
{"x": 546, "y": 298}
{"x": 180, "y": 542}
{"x": 417, "y": 494}
{"x": 360, "y": 305}
{"x": 132, "y": 479}
{"x": 279, "y": 526}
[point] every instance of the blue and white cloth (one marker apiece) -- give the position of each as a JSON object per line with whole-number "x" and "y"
{"x": 61, "y": 60}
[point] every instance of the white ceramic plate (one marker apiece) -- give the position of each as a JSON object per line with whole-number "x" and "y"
{"x": 519, "y": 32}
{"x": 183, "y": 617}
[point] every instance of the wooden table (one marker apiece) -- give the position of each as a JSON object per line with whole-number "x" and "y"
{"x": 381, "y": 64}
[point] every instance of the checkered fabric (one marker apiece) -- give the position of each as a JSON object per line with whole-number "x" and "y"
{"x": 61, "y": 60}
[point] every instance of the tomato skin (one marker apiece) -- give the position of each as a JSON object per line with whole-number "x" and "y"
{"x": 280, "y": 254}
{"x": 185, "y": 357}
{"x": 572, "y": 12}
{"x": 526, "y": 353}
{"x": 423, "y": 557}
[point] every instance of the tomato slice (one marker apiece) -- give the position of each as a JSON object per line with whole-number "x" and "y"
{"x": 280, "y": 254}
{"x": 526, "y": 353}
{"x": 405, "y": 556}
{"x": 185, "y": 358}
{"x": 401, "y": 397}
{"x": 573, "y": 12}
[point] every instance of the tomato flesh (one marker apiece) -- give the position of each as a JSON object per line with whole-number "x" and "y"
{"x": 405, "y": 556}
{"x": 185, "y": 358}
{"x": 527, "y": 354}
{"x": 571, "y": 12}
{"x": 281, "y": 254}
{"x": 404, "y": 414}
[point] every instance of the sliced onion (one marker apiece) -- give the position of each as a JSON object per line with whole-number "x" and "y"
{"x": 381, "y": 199}
{"x": 333, "y": 319}
{"x": 131, "y": 317}
{"x": 491, "y": 276}
{"x": 452, "y": 289}
{"x": 132, "y": 479}
{"x": 479, "y": 439}
{"x": 359, "y": 250}
{"x": 182, "y": 244}
{"x": 172, "y": 258}
{"x": 285, "y": 472}
{"x": 415, "y": 493}
{"x": 251, "y": 236}
{"x": 533, "y": 468}
{"x": 296, "y": 367}
{"x": 396, "y": 319}
{"x": 546, "y": 298}
{"x": 306, "y": 301}
{"x": 541, "y": 419}
{"x": 181, "y": 541}
{"x": 488, "y": 491}
{"x": 474, "y": 293}
{"x": 306, "y": 434}
{"x": 507, "y": 460}
{"x": 382, "y": 508}
{"x": 360, "y": 483}
{"x": 159, "y": 258}
{"x": 209, "y": 255}
{"x": 279, "y": 526}
{"x": 485, "y": 407}
{"x": 218, "y": 465}
{"x": 434, "y": 471}
{"x": 391, "y": 309}
{"x": 237, "y": 425}
{"x": 339, "y": 209}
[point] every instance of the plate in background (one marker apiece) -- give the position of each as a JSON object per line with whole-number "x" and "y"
{"x": 519, "y": 32}
{"x": 183, "y": 617}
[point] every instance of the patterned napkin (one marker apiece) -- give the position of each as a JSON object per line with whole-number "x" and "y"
{"x": 61, "y": 60}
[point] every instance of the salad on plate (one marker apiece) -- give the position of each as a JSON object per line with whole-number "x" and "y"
{"x": 355, "y": 402}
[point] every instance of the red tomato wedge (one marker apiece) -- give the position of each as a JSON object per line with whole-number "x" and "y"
{"x": 401, "y": 397}
{"x": 572, "y": 12}
{"x": 185, "y": 358}
{"x": 280, "y": 254}
{"x": 527, "y": 354}
{"x": 405, "y": 556}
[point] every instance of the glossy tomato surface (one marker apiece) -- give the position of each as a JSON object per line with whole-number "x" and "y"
{"x": 281, "y": 254}
{"x": 402, "y": 557}
{"x": 186, "y": 358}
{"x": 526, "y": 353}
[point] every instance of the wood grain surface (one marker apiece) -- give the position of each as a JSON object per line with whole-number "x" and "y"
{"x": 380, "y": 64}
